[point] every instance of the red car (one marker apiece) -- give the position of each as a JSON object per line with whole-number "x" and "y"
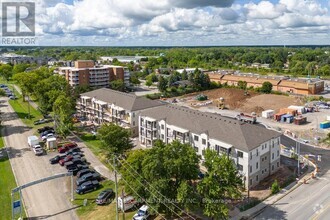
{"x": 66, "y": 147}
{"x": 66, "y": 159}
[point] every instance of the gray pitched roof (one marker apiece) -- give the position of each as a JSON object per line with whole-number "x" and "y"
{"x": 124, "y": 100}
{"x": 241, "y": 135}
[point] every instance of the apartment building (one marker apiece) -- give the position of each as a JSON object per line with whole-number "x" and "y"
{"x": 106, "y": 105}
{"x": 85, "y": 72}
{"x": 280, "y": 83}
{"x": 254, "y": 149}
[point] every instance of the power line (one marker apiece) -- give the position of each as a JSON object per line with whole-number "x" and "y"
{"x": 157, "y": 191}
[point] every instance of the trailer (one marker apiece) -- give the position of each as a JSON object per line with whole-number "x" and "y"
{"x": 268, "y": 113}
{"x": 325, "y": 125}
{"x": 247, "y": 118}
{"x": 33, "y": 141}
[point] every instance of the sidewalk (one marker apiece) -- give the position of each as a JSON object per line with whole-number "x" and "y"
{"x": 252, "y": 212}
{"x": 32, "y": 103}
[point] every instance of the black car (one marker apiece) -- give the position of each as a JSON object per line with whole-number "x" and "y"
{"x": 73, "y": 169}
{"x": 84, "y": 171}
{"x": 87, "y": 177}
{"x": 56, "y": 159}
{"x": 46, "y": 132}
{"x": 46, "y": 128}
{"x": 74, "y": 150}
{"x": 88, "y": 187}
{"x": 82, "y": 166}
{"x": 104, "y": 197}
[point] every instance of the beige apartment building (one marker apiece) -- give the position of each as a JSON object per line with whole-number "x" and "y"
{"x": 85, "y": 72}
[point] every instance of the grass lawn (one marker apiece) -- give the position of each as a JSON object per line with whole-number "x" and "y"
{"x": 94, "y": 145}
{"x": 22, "y": 110}
{"x": 93, "y": 211}
{"x": 7, "y": 183}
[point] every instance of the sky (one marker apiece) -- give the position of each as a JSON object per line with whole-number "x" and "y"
{"x": 182, "y": 22}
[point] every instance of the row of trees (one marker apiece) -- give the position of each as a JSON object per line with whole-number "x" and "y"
{"x": 166, "y": 177}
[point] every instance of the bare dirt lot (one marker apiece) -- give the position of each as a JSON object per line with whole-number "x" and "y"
{"x": 235, "y": 99}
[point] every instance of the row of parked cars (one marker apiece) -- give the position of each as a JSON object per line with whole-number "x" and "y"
{"x": 8, "y": 92}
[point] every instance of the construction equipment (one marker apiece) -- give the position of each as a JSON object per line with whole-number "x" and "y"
{"x": 247, "y": 118}
{"x": 220, "y": 103}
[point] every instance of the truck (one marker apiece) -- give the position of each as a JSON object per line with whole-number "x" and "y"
{"x": 33, "y": 141}
{"x": 127, "y": 202}
{"x": 142, "y": 214}
{"x": 247, "y": 118}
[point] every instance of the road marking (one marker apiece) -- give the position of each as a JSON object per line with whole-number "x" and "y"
{"x": 319, "y": 212}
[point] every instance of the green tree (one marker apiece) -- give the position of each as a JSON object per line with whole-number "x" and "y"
{"x": 184, "y": 75}
{"x": 324, "y": 70}
{"x": 134, "y": 79}
{"x": 114, "y": 139}
{"x": 6, "y": 71}
{"x": 117, "y": 84}
{"x": 162, "y": 84}
{"x": 19, "y": 68}
{"x": 242, "y": 84}
{"x": 63, "y": 109}
{"x": 2, "y": 92}
{"x": 266, "y": 87}
{"x": 221, "y": 183}
{"x": 148, "y": 82}
{"x": 275, "y": 187}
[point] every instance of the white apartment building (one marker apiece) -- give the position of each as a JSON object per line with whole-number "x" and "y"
{"x": 106, "y": 105}
{"x": 254, "y": 149}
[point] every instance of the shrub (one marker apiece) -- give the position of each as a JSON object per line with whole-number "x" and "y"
{"x": 275, "y": 187}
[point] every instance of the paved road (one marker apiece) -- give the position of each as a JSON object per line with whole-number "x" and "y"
{"x": 50, "y": 200}
{"x": 309, "y": 201}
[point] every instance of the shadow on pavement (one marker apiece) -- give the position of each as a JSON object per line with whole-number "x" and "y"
{"x": 17, "y": 152}
{"x": 14, "y": 129}
{"x": 52, "y": 215}
{"x": 271, "y": 213}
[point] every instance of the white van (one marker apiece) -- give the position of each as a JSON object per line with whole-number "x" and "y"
{"x": 129, "y": 202}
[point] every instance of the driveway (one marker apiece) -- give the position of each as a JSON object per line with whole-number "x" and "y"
{"x": 49, "y": 200}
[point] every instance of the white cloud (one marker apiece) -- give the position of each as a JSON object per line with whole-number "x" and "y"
{"x": 264, "y": 10}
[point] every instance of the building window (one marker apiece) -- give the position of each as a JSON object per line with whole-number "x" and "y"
{"x": 266, "y": 170}
{"x": 278, "y": 153}
{"x": 251, "y": 182}
{"x": 162, "y": 136}
{"x": 265, "y": 157}
{"x": 272, "y": 156}
{"x": 257, "y": 152}
{"x": 278, "y": 164}
{"x": 133, "y": 123}
{"x": 262, "y": 147}
{"x": 250, "y": 169}
{"x": 240, "y": 154}
{"x": 133, "y": 114}
{"x": 262, "y": 159}
{"x": 250, "y": 155}
{"x": 203, "y": 141}
{"x": 195, "y": 138}
{"x": 272, "y": 167}
{"x": 196, "y": 149}
{"x": 257, "y": 165}
{"x": 262, "y": 172}
{"x": 162, "y": 126}
{"x": 257, "y": 178}
{"x": 240, "y": 167}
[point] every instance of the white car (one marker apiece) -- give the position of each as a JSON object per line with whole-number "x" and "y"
{"x": 44, "y": 138}
{"x": 142, "y": 214}
{"x": 38, "y": 150}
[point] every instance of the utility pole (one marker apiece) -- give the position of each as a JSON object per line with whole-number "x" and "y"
{"x": 29, "y": 107}
{"x": 123, "y": 199}
{"x": 298, "y": 153}
{"x": 116, "y": 186}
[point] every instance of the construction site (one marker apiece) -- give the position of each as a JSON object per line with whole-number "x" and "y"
{"x": 287, "y": 114}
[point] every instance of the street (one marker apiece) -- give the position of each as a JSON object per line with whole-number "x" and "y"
{"x": 309, "y": 201}
{"x": 49, "y": 200}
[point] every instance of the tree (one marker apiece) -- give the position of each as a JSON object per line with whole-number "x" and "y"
{"x": 114, "y": 139}
{"x": 184, "y": 75}
{"x": 162, "y": 84}
{"x": 242, "y": 84}
{"x": 2, "y": 92}
{"x": 6, "y": 71}
{"x": 118, "y": 85}
{"x": 134, "y": 80}
{"x": 149, "y": 82}
{"x": 222, "y": 182}
{"x": 152, "y": 77}
{"x": 266, "y": 87}
{"x": 19, "y": 68}
{"x": 165, "y": 173}
{"x": 275, "y": 187}
{"x": 63, "y": 109}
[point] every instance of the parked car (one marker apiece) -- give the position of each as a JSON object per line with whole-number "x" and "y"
{"x": 46, "y": 128}
{"x": 40, "y": 121}
{"x": 82, "y": 166}
{"x": 12, "y": 97}
{"x": 65, "y": 159}
{"x": 66, "y": 147}
{"x": 56, "y": 159}
{"x": 73, "y": 150}
{"x": 104, "y": 197}
{"x": 38, "y": 151}
{"x": 47, "y": 132}
{"x": 73, "y": 169}
{"x": 44, "y": 138}
{"x": 142, "y": 213}
{"x": 88, "y": 187}
{"x": 84, "y": 171}
{"x": 87, "y": 177}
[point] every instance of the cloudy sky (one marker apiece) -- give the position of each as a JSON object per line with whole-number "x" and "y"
{"x": 182, "y": 22}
